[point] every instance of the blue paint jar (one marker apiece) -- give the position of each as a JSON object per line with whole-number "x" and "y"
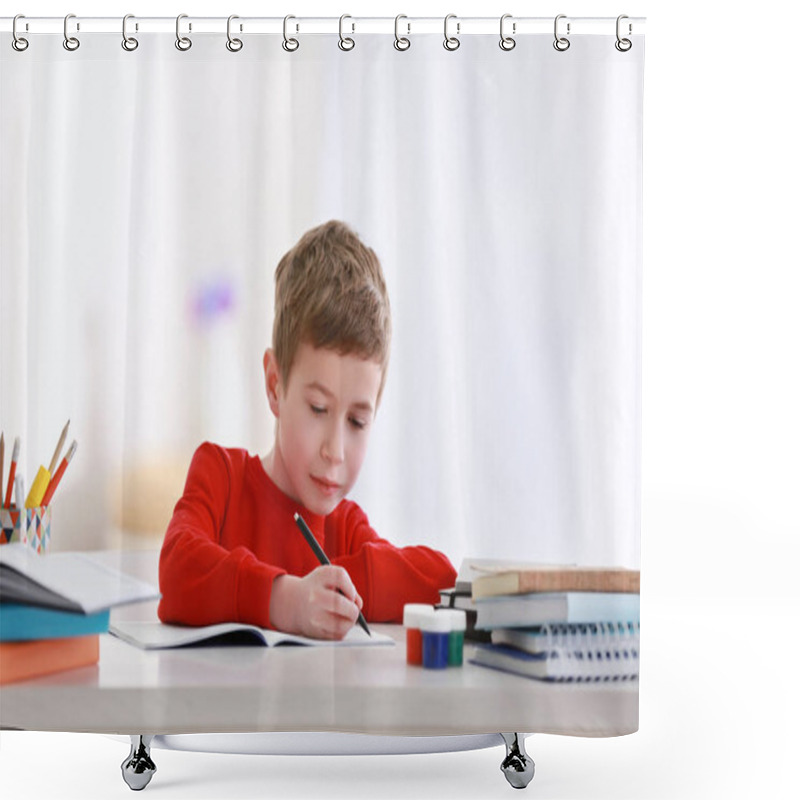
{"x": 435, "y": 641}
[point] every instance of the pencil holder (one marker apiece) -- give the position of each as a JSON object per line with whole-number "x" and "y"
{"x": 30, "y": 526}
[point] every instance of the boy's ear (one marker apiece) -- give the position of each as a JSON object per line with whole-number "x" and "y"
{"x": 272, "y": 379}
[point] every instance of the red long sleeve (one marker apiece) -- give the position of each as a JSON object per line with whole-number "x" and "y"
{"x": 233, "y": 532}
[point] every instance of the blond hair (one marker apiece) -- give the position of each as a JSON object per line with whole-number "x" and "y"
{"x": 330, "y": 293}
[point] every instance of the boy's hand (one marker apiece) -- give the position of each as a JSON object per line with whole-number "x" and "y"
{"x": 313, "y": 605}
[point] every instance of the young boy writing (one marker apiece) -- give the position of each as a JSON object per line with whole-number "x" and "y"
{"x": 232, "y": 551}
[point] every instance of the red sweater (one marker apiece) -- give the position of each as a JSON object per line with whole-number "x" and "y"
{"x": 233, "y": 532}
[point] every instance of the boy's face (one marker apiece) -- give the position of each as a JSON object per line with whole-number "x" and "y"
{"x": 325, "y": 417}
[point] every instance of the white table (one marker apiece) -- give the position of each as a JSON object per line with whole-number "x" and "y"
{"x": 369, "y": 690}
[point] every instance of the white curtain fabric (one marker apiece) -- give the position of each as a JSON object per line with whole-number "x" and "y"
{"x": 148, "y": 196}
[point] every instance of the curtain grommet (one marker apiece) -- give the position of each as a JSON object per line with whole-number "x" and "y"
{"x": 289, "y": 45}
{"x": 234, "y": 45}
{"x": 129, "y": 43}
{"x": 401, "y": 43}
{"x": 19, "y": 43}
{"x": 451, "y": 43}
{"x": 183, "y": 43}
{"x": 507, "y": 43}
{"x": 71, "y": 43}
{"x": 346, "y": 43}
{"x": 561, "y": 43}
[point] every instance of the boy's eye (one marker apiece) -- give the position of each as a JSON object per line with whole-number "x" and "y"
{"x": 317, "y": 409}
{"x": 357, "y": 423}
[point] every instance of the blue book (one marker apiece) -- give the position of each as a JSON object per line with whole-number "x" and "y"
{"x": 19, "y": 623}
{"x": 541, "y": 608}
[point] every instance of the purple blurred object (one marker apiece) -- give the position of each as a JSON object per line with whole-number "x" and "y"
{"x": 212, "y": 300}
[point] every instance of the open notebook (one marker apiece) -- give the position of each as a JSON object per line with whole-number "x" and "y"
{"x": 159, "y": 636}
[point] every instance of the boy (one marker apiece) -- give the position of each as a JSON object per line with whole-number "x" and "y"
{"x": 232, "y": 551}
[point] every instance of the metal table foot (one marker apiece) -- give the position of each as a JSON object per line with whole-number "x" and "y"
{"x": 518, "y": 766}
{"x": 138, "y": 768}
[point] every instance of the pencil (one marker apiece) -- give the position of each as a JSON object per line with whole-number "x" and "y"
{"x": 323, "y": 559}
{"x": 12, "y": 472}
{"x": 2, "y": 460}
{"x": 23, "y": 517}
{"x": 53, "y": 485}
{"x": 57, "y": 452}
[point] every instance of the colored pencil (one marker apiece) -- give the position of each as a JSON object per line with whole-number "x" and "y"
{"x": 57, "y": 452}
{"x": 48, "y": 496}
{"x": 12, "y": 473}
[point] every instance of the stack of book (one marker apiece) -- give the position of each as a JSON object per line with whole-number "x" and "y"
{"x": 54, "y": 607}
{"x": 558, "y": 623}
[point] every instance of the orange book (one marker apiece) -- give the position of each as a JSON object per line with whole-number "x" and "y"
{"x": 20, "y": 661}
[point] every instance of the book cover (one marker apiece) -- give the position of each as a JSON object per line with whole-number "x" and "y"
{"x": 554, "y": 578}
{"x": 20, "y": 623}
{"x": 21, "y": 661}
{"x": 473, "y": 568}
{"x": 525, "y": 610}
{"x": 70, "y": 581}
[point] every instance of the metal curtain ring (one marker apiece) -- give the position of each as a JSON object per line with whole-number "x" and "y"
{"x": 128, "y": 42}
{"x": 70, "y": 42}
{"x": 345, "y": 43}
{"x": 623, "y": 45}
{"x": 561, "y": 43}
{"x": 18, "y": 43}
{"x": 183, "y": 43}
{"x": 451, "y": 42}
{"x": 289, "y": 45}
{"x": 234, "y": 45}
{"x": 401, "y": 43}
{"x": 506, "y": 42}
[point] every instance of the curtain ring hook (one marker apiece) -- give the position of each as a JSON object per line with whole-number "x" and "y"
{"x": 70, "y": 42}
{"x": 451, "y": 42}
{"x": 623, "y": 45}
{"x": 401, "y": 43}
{"x": 289, "y": 45}
{"x": 183, "y": 43}
{"x": 346, "y": 44}
{"x": 233, "y": 45}
{"x": 18, "y": 42}
{"x": 129, "y": 43}
{"x": 507, "y": 42}
{"x": 561, "y": 43}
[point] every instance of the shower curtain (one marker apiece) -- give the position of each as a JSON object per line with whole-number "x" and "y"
{"x": 149, "y": 193}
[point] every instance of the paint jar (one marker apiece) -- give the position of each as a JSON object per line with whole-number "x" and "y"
{"x": 455, "y": 642}
{"x": 413, "y": 615}
{"x": 435, "y": 640}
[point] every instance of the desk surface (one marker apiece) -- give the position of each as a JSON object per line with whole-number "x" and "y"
{"x": 252, "y": 688}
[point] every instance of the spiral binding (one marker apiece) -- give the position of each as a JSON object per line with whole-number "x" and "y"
{"x": 452, "y": 32}
{"x": 592, "y": 653}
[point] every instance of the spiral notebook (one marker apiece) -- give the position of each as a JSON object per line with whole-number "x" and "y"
{"x": 562, "y": 664}
{"x": 542, "y": 638}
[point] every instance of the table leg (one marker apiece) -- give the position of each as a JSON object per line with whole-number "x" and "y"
{"x": 138, "y": 768}
{"x": 518, "y": 766}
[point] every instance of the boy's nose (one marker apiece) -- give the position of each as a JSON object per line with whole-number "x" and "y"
{"x": 333, "y": 445}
